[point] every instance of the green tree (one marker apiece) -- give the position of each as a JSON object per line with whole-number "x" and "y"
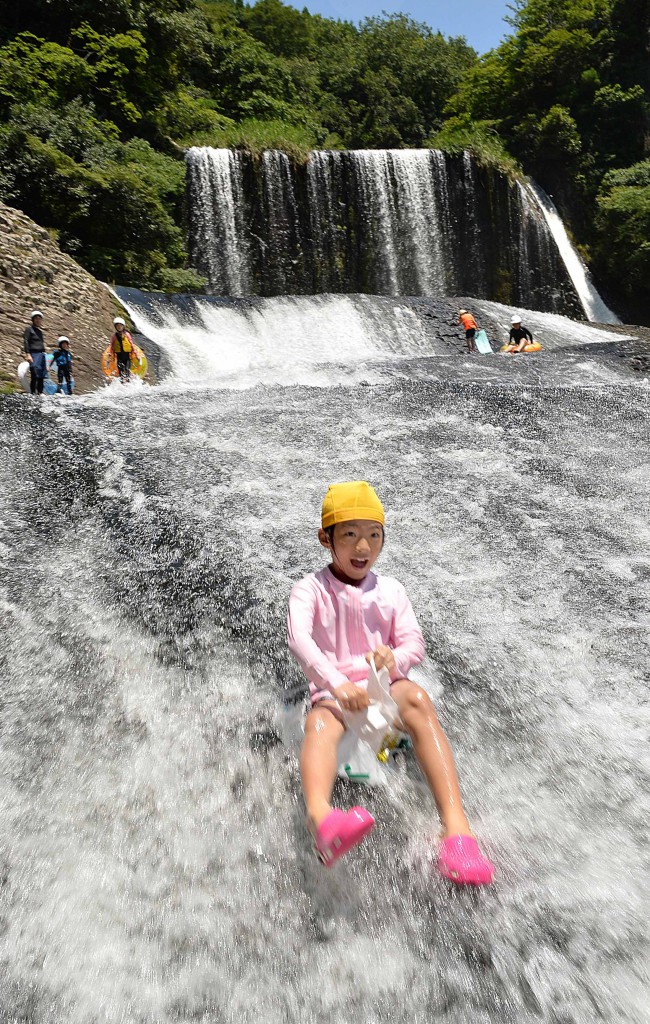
{"x": 283, "y": 30}
{"x": 622, "y": 250}
{"x": 33, "y": 70}
{"x": 568, "y": 93}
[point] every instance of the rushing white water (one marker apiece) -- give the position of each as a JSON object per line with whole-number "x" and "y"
{"x": 384, "y": 222}
{"x": 217, "y": 215}
{"x": 554, "y": 332}
{"x": 154, "y": 862}
{"x": 377, "y": 195}
{"x": 332, "y": 338}
{"x": 401, "y": 186}
{"x": 595, "y": 308}
{"x": 240, "y": 344}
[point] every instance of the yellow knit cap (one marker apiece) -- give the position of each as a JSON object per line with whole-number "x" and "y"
{"x": 353, "y": 500}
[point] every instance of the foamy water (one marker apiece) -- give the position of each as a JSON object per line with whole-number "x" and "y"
{"x": 155, "y": 866}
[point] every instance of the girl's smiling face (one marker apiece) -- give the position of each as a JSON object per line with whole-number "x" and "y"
{"x": 355, "y": 546}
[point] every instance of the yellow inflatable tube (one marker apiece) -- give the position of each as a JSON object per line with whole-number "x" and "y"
{"x": 138, "y": 362}
{"x": 533, "y": 346}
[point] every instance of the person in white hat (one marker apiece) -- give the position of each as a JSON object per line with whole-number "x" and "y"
{"x": 34, "y": 347}
{"x": 122, "y": 346}
{"x": 469, "y": 323}
{"x": 62, "y": 359}
{"x": 519, "y": 336}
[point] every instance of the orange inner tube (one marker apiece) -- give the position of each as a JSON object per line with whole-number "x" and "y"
{"x": 138, "y": 362}
{"x": 533, "y": 346}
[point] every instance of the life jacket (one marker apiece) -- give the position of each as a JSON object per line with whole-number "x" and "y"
{"x": 468, "y": 322}
{"x": 62, "y": 358}
{"x": 123, "y": 344}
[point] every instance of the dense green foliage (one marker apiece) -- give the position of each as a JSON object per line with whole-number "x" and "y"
{"x": 568, "y": 95}
{"x": 623, "y": 223}
{"x": 98, "y": 98}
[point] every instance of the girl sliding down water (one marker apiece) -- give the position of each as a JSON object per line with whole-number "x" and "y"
{"x": 340, "y": 618}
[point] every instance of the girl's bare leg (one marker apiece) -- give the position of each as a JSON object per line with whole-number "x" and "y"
{"x": 433, "y": 753}
{"x": 318, "y": 762}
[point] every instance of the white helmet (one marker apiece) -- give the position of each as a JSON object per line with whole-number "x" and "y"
{"x": 36, "y": 312}
{"x": 516, "y": 320}
{"x": 119, "y": 320}
{"x": 64, "y": 338}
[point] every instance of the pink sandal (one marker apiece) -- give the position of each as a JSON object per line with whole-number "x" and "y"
{"x": 461, "y": 861}
{"x": 340, "y": 831}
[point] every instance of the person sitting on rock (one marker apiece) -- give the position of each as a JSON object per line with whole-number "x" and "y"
{"x": 63, "y": 360}
{"x": 519, "y": 336}
{"x": 470, "y": 325}
{"x": 122, "y": 347}
{"x": 34, "y": 346}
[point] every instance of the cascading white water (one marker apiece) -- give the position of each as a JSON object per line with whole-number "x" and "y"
{"x": 387, "y": 222}
{"x": 420, "y": 224}
{"x": 376, "y": 190}
{"x": 240, "y": 344}
{"x": 217, "y": 208}
{"x": 473, "y": 244}
{"x": 154, "y": 862}
{"x": 595, "y": 308}
{"x": 283, "y": 234}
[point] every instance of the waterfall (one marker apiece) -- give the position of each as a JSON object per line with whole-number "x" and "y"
{"x": 419, "y": 222}
{"x": 219, "y": 242}
{"x": 382, "y": 222}
{"x": 283, "y": 249}
{"x": 475, "y": 250}
{"x": 376, "y": 193}
{"x": 594, "y": 306}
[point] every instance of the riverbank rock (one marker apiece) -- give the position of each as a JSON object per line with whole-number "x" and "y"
{"x": 35, "y": 274}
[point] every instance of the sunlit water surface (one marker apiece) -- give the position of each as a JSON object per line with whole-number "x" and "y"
{"x": 154, "y": 864}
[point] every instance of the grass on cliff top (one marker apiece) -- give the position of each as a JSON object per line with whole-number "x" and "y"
{"x": 297, "y": 141}
{"x": 254, "y": 136}
{"x": 8, "y": 384}
{"x": 481, "y": 139}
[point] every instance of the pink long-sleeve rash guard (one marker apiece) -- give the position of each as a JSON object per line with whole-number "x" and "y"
{"x": 333, "y": 625}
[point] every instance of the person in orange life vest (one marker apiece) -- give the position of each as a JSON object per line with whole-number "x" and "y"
{"x": 122, "y": 347}
{"x": 471, "y": 327}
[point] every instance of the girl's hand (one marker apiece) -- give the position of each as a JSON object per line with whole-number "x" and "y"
{"x": 384, "y": 658}
{"x": 351, "y": 697}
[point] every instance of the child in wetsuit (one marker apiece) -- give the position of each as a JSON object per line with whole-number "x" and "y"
{"x": 63, "y": 362}
{"x": 340, "y": 618}
{"x": 519, "y": 336}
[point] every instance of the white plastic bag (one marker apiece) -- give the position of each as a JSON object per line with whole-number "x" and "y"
{"x": 367, "y": 732}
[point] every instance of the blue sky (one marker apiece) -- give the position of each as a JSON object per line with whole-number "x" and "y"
{"x": 480, "y": 21}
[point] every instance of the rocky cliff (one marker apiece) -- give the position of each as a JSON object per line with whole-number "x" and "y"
{"x": 35, "y": 274}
